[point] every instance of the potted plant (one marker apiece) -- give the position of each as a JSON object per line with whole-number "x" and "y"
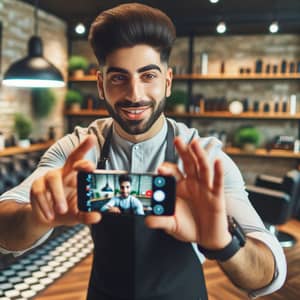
{"x": 43, "y": 101}
{"x": 177, "y": 101}
{"x": 247, "y": 138}
{"x": 77, "y": 65}
{"x": 92, "y": 69}
{"x": 23, "y": 128}
{"x": 73, "y": 99}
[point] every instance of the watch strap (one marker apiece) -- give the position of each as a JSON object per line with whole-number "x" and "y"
{"x": 238, "y": 240}
{"x": 222, "y": 254}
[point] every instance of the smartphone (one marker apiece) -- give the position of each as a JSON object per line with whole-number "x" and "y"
{"x": 126, "y": 193}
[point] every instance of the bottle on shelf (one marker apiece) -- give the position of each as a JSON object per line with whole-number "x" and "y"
{"x": 256, "y": 106}
{"x": 275, "y": 69}
{"x": 266, "y": 107}
{"x": 292, "y": 67}
{"x": 293, "y": 104}
{"x": 283, "y": 66}
{"x": 298, "y": 67}
{"x": 258, "y": 66}
{"x": 222, "y": 68}
{"x": 276, "y": 104}
{"x": 51, "y": 133}
{"x": 2, "y": 141}
{"x": 284, "y": 105}
{"x": 245, "y": 105}
{"x": 203, "y": 63}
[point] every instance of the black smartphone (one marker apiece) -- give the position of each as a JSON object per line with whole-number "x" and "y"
{"x": 126, "y": 193}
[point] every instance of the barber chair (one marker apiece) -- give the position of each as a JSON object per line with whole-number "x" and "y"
{"x": 24, "y": 164}
{"x": 7, "y": 176}
{"x": 277, "y": 200}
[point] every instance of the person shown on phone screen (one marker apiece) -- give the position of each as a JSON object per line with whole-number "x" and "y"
{"x": 125, "y": 203}
{"x": 156, "y": 257}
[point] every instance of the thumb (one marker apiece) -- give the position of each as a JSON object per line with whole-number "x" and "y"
{"x": 166, "y": 223}
{"x": 79, "y": 153}
{"x": 89, "y": 218}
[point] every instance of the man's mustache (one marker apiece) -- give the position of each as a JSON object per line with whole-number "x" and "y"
{"x": 128, "y": 103}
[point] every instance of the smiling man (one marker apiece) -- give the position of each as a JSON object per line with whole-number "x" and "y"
{"x": 136, "y": 89}
{"x": 152, "y": 258}
{"x": 124, "y": 203}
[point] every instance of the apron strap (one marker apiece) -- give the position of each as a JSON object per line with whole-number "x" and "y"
{"x": 105, "y": 150}
{"x": 170, "y": 152}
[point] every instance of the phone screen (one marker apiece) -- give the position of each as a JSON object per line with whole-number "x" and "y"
{"x": 126, "y": 193}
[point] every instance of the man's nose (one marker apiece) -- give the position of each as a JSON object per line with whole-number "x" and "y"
{"x": 135, "y": 90}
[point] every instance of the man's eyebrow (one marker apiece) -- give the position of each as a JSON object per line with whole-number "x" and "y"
{"x": 116, "y": 69}
{"x": 149, "y": 67}
{"x": 140, "y": 70}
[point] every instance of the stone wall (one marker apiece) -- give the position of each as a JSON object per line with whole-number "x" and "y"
{"x": 237, "y": 52}
{"x": 17, "y": 20}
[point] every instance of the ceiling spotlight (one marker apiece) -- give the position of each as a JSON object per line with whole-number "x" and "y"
{"x": 213, "y": 1}
{"x": 221, "y": 27}
{"x": 274, "y": 27}
{"x": 80, "y": 28}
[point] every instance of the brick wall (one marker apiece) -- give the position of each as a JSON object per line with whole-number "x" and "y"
{"x": 17, "y": 20}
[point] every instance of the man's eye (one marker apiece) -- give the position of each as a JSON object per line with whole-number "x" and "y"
{"x": 149, "y": 76}
{"x": 118, "y": 78}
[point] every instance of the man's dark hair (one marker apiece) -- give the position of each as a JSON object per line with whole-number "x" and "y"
{"x": 124, "y": 177}
{"x": 132, "y": 24}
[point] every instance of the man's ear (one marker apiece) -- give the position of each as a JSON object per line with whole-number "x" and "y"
{"x": 169, "y": 79}
{"x": 100, "y": 85}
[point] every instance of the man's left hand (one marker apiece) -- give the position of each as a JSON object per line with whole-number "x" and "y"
{"x": 200, "y": 213}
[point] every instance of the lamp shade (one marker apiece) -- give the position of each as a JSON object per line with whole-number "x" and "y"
{"x": 33, "y": 70}
{"x": 106, "y": 188}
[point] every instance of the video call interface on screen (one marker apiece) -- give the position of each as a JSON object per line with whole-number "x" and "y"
{"x": 100, "y": 188}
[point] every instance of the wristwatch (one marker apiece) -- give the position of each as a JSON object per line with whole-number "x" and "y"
{"x": 238, "y": 240}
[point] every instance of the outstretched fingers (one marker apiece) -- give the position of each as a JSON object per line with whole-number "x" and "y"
{"x": 169, "y": 169}
{"x": 41, "y": 200}
{"x": 55, "y": 187}
{"x": 78, "y": 154}
{"x": 194, "y": 160}
{"x": 204, "y": 174}
{"x": 218, "y": 182}
{"x": 187, "y": 156}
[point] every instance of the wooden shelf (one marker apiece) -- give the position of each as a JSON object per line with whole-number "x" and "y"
{"x": 83, "y": 78}
{"x": 279, "y": 76}
{"x": 275, "y": 153}
{"x": 19, "y": 150}
{"x": 229, "y": 115}
{"x": 206, "y": 115}
{"x": 87, "y": 113}
{"x": 253, "y": 76}
{"x": 214, "y": 115}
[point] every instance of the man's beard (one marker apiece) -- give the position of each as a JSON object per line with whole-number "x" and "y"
{"x": 136, "y": 126}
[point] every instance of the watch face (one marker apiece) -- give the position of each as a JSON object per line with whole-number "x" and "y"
{"x": 236, "y": 230}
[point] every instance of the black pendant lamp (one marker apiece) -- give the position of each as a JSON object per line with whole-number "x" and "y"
{"x": 33, "y": 70}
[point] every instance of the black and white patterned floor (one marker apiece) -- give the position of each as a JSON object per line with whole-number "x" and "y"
{"x": 27, "y": 276}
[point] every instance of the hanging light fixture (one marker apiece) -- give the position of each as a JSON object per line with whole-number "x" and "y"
{"x": 33, "y": 70}
{"x": 107, "y": 188}
{"x": 80, "y": 29}
{"x": 274, "y": 27}
{"x": 221, "y": 27}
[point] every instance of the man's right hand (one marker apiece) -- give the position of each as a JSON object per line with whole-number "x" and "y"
{"x": 114, "y": 209}
{"x": 54, "y": 195}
